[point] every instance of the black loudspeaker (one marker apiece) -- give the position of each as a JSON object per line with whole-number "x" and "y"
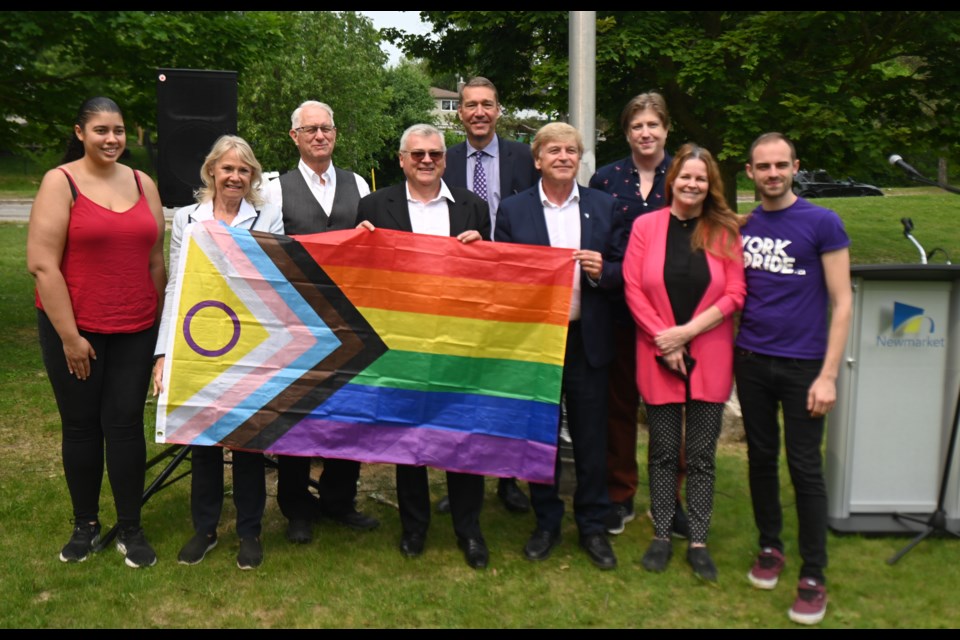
{"x": 194, "y": 108}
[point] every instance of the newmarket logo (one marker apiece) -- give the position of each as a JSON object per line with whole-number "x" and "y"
{"x": 910, "y": 328}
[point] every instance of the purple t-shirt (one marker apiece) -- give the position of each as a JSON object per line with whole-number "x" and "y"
{"x": 785, "y": 313}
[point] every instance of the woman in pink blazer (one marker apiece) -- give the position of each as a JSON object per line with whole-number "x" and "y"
{"x": 683, "y": 277}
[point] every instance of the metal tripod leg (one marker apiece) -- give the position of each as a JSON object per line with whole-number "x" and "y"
{"x": 178, "y": 452}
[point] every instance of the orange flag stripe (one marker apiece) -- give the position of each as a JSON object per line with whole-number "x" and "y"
{"x": 458, "y": 297}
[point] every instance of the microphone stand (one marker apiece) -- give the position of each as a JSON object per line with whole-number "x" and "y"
{"x": 907, "y": 228}
{"x": 937, "y": 522}
{"x": 932, "y": 183}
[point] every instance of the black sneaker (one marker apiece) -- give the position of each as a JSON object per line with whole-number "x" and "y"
{"x": 196, "y": 548}
{"x": 133, "y": 544}
{"x": 250, "y": 555}
{"x": 620, "y": 514}
{"x": 85, "y": 537}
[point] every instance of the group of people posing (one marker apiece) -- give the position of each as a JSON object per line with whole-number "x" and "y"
{"x": 664, "y": 271}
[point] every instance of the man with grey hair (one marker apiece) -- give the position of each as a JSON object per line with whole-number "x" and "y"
{"x": 425, "y": 204}
{"x": 317, "y": 197}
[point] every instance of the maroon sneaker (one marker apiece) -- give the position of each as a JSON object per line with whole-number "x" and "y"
{"x": 766, "y": 570}
{"x": 811, "y": 603}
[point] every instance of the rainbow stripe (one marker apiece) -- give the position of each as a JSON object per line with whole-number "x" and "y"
{"x": 450, "y": 355}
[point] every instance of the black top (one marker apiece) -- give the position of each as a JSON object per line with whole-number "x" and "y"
{"x": 685, "y": 271}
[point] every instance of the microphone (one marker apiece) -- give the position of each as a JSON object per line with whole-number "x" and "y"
{"x": 897, "y": 161}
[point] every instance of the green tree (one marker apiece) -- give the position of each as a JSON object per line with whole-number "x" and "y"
{"x": 408, "y": 103}
{"x": 849, "y": 87}
{"x": 50, "y": 61}
{"x": 331, "y": 57}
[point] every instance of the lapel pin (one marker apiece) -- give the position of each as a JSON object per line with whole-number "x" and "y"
{"x": 586, "y": 215}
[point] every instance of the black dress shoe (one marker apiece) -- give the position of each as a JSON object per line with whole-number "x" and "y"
{"x": 299, "y": 531}
{"x": 598, "y": 548}
{"x": 475, "y": 551}
{"x": 411, "y": 544}
{"x": 511, "y": 496}
{"x": 540, "y": 544}
{"x": 443, "y": 504}
{"x": 355, "y": 520}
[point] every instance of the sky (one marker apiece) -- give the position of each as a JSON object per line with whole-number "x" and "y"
{"x": 408, "y": 21}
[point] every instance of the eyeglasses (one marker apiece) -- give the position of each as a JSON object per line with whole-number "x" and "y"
{"x": 312, "y": 130}
{"x": 419, "y": 155}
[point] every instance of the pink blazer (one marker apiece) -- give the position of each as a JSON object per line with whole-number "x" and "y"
{"x": 646, "y": 293}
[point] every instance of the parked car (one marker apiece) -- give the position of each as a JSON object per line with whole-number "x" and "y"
{"x": 819, "y": 184}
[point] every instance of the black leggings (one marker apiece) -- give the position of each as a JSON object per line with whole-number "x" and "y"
{"x": 105, "y": 411}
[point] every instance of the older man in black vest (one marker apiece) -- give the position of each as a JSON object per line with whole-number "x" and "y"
{"x": 317, "y": 197}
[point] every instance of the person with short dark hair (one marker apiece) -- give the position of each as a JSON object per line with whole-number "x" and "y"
{"x": 793, "y": 331}
{"x": 95, "y": 250}
{"x": 494, "y": 168}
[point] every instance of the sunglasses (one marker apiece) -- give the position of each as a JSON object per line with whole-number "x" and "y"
{"x": 418, "y": 155}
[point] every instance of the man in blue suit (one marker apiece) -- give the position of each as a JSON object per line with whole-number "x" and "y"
{"x": 493, "y": 168}
{"x": 559, "y": 213}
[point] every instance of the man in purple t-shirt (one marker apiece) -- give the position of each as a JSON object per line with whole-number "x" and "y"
{"x": 792, "y": 335}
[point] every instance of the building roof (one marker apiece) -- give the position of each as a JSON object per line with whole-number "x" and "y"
{"x": 436, "y": 92}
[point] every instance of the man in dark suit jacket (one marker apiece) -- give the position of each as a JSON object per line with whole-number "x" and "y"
{"x": 424, "y": 204}
{"x": 560, "y": 213}
{"x": 506, "y": 168}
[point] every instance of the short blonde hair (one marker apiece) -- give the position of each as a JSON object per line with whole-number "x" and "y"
{"x": 555, "y": 131}
{"x": 221, "y": 147}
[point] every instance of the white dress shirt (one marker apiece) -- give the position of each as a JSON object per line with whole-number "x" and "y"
{"x": 563, "y": 227}
{"x": 430, "y": 218}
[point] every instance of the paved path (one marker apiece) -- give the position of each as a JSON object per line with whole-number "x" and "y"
{"x": 19, "y": 211}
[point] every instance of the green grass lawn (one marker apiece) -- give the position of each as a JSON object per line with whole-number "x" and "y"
{"x": 346, "y": 579}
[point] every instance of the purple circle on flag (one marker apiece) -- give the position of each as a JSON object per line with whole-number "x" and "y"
{"x": 230, "y": 314}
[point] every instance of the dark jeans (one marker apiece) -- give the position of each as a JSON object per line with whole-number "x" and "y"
{"x": 206, "y": 490}
{"x": 765, "y": 384}
{"x": 102, "y": 414}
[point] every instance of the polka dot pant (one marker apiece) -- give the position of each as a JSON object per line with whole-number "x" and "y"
{"x": 704, "y": 420}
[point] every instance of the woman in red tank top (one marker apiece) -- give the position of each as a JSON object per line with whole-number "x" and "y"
{"x": 95, "y": 250}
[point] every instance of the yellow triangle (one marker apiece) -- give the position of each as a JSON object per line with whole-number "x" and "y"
{"x": 211, "y": 328}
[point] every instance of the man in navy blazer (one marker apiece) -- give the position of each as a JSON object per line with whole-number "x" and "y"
{"x": 557, "y": 212}
{"x": 507, "y": 168}
{"x": 424, "y": 204}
